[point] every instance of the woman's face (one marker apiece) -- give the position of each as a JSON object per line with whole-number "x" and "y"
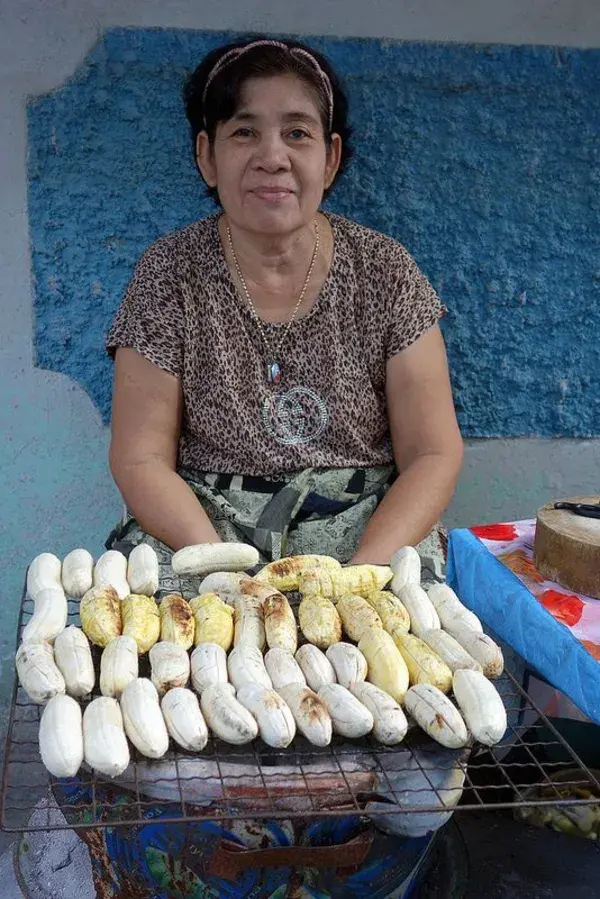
{"x": 270, "y": 162}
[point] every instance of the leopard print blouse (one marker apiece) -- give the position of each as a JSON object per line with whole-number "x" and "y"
{"x": 183, "y": 312}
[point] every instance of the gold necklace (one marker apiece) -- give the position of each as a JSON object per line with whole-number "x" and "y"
{"x": 274, "y": 372}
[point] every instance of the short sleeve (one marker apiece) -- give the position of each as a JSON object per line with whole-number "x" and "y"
{"x": 414, "y": 306}
{"x": 151, "y": 317}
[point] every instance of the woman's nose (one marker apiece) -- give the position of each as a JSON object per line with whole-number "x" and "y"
{"x": 272, "y": 154}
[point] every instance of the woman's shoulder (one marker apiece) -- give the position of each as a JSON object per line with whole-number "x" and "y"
{"x": 361, "y": 244}
{"x": 193, "y": 241}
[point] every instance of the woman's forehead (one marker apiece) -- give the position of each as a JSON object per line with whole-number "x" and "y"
{"x": 285, "y": 95}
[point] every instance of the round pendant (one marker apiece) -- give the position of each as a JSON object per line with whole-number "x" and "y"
{"x": 273, "y": 373}
{"x": 294, "y": 417}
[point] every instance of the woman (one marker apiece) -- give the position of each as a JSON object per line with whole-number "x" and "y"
{"x": 280, "y": 376}
{"x": 280, "y": 379}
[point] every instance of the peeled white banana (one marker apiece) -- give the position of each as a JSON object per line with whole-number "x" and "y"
{"x": 142, "y": 570}
{"x": 349, "y": 716}
{"x": 310, "y": 713}
{"x": 49, "y": 617}
{"x": 451, "y": 611}
{"x": 38, "y": 673}
{"x": 315, "y": 666}
{"x": 406, "y": 565}
{"x": 111, "y": 571}
{"x": 170, "y": 666}
{"x": 482, "y": 648}
{"x": 434, "y": 712}
{"x": 227, "y": 718}
{"x": 450, "y": 651}
{"x": 250, "y": 587}
{"x": 184, "y": 720}
{"x": 245, "y": 665}
{"x": 206, "y": 558}
{"x": 105, "y": 747}
{"x": 44, "y": 574}
{"x": 248, "y": 622}
{"x": 348, "y": 662}
{"x": 423, "y": 616}
{"x": 481, "y": 705}
{"x": 283, "y": 668}
{"x": 61, "y": 736}
{"x": 142, "y": 718}
{"x": 389, "y": 721}
{"x": 208, "y": 666}
{"x": 276, "y": 724}
{"x": 280, "y": 623}
{"x": 225, "y": 583}
{"x": 77, "y": 572}
{"x": 118, "y": 665}
{"x": 73, "y": 658}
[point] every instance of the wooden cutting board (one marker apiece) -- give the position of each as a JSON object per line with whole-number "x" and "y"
{"x": 567, "y": 547}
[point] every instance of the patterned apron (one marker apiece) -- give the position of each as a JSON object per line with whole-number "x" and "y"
{"x": 322, "y": 511}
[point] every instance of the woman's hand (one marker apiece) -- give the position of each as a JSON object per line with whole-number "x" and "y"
{"x": 428, "y": 450}
{"x": 146, "y": 424}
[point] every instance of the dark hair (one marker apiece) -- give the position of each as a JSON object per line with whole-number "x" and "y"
{"x": 223, "y": 96}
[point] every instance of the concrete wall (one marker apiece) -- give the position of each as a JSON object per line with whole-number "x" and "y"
{"x": 480, "y": 159}
{"x": 57, "y": 493}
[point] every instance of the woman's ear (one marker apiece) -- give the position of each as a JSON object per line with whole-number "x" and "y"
{"x": 204, "y": 159}
{"x": 334, "y": 155}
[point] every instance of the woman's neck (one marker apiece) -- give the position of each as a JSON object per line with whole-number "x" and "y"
{"x": 266, "y": 256}
{"x": 275, "y": 267}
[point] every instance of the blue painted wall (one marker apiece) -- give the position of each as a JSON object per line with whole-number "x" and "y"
{"x": 483, "y": 160}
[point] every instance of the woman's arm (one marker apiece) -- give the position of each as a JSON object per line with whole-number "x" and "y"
{"x": 146, "y": 424}
{"x": 427, "y": 445}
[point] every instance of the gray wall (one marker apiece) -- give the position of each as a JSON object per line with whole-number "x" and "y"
{"x": 57, "y": 490}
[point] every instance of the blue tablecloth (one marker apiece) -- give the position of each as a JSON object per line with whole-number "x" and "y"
{"x": 503, "y": 603}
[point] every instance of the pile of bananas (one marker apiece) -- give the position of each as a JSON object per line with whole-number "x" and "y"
{"x": 369, "y": 655}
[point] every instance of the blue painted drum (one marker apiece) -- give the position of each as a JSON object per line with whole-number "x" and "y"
{"x": 158, "y": 860}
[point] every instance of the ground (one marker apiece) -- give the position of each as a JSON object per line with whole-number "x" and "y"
{"x": 509, "y": 860}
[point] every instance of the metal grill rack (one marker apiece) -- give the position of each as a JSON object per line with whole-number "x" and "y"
{"x": 533, "y": 766}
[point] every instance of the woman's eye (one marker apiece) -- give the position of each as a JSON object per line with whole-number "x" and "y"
{"x": 242, "y": 132}
{"x": 298, "y": 133}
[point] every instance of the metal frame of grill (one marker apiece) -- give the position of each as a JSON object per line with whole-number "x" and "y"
{"x": 363, "y": 777}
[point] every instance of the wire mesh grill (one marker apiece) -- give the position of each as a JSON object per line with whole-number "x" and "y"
{"x": 532, "y": 766}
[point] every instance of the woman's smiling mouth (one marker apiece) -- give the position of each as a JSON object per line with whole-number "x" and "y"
{"x": 272, "y": 194}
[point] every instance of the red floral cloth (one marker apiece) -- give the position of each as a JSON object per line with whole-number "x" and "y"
{"x": 565, "y": 607}
{"x": 495, "y": 531}
{"x": 512, "y": 544}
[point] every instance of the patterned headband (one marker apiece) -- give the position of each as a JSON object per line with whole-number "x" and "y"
{"x": 235, "y": 54}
